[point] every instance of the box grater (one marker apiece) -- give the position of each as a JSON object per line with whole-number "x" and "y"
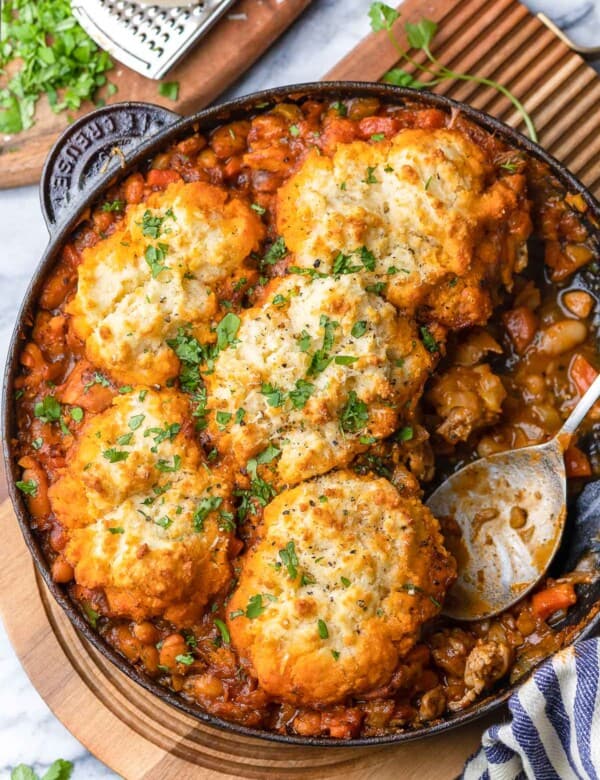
{"x": 149, "y": 39}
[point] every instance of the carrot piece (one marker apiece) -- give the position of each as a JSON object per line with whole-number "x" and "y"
{"x": 162, "y": 178}
{"x": 546, "y": 602}
{"x": 581, "y": 372}
{"x": 577, "y": 463}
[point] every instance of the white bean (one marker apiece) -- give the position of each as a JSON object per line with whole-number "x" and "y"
{"x": 562, "y": 336}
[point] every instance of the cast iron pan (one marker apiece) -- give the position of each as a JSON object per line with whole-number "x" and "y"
{"x": 107, "y": 145}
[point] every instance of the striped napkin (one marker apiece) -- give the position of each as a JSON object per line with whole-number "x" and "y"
{"x": 554, "y": 733}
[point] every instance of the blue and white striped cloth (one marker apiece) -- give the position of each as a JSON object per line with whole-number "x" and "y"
{"x": 554, "y": 733}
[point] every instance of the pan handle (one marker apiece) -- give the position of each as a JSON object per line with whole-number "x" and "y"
{"x": 95, "y": 147}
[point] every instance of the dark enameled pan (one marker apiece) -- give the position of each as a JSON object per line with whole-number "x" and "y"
{"x": 107, "y": 145}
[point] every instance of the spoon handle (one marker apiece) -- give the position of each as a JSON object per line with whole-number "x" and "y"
{"x": 586, "y": 402}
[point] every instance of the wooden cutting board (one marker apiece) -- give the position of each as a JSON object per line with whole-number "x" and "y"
{"x": 235, "y": 42}
{"x": 501, "y": 40}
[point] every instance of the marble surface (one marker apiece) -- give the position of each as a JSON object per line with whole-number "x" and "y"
{"x": 29, "y": 732}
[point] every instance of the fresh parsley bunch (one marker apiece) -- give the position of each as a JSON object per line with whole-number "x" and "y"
{"x": 43, "y": 50}
{"x": 420, "y": 36}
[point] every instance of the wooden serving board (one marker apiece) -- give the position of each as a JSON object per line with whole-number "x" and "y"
{"x": 501, "y": 40}
{"x": 235, "y": 42}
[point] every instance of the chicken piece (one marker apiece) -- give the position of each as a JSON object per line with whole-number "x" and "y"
{"x": 487, "y": 663}
{"x": 345, "y": 573}
{"x": 467, "y": 399}
{"x": 443, "y": 235}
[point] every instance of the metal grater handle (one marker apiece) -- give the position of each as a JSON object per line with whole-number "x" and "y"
{"x": 94, "y": 146}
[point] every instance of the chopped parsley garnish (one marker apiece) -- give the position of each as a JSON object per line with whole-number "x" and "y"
{"x": 370, "y": 178}
{"x": 239, "y": 416}
{"x": 294, "y": 130}
{"x": 405, "y": 434}
{"x": 359, "y": 329}
{"x": 113, "y": 455}
{"x": 169, "y": 90}
{"x": 335, "y": 654}
{"x": 125, "y": 389}
{"x": 222, "y": 419}
{"x": 125, "y": 439}
{"x": 429, "y": 342}
{"x": 304, "y": 341}
{"x": 165, "y": 467}
{"x": 37, "y": 443}
{"x": 376, "y": 288}
{"x": 276, "y": 251}
{"x": 48, "y": 410}
{"x": 97, "y": 379}
{"x": 227, "y": 330}
{"x": 312, "y": 272}
{"x": 355, "y": 414}
{"x": 340, "y": 108}
{"x": 345, "y": 360}
{"x": 154, "y": 257}
{"x": 113, "y": 205}
{"x": 204, "y": 507}
{"x": 342, "y": 263}
{"x": 223, "y": 630}
{"x": 323, "y": 630}
{"x": 321, "y": 358}
{"x": 91, "y": 615}
{"x": 256, "y": 606}
{"x": 116, "y": 529}
{"x": 159, "y": 435}
{"x": 378, "y": 137}
{"x": 186, "y": 659}
{"x": 345, "y": 582}
{"x": 135, "y": 421}
{"x": 152, "y": 225}
{"x": 279, "y": 300}
{"x": 413, "y": 590}
{"x": 301, "y": 394}
{"x": 275, "y": 397}
{"x": 29, "y": 487}
{"x": 289, "y": 559}
{"x": 164, "y": 522}
{"x": 259, "y": 209}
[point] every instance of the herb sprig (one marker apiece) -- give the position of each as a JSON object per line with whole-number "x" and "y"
{"x": 420, "y": 36}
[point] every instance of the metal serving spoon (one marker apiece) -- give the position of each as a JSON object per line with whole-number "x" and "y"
{"x": 510, "y": 509}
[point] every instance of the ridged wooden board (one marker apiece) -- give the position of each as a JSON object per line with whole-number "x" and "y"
{"x": 501, "y": 40}
{"x": 236, "y": 41}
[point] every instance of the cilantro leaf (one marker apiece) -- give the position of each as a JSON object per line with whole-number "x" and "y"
{"x": 420, "y": 34}
{"x": 382, "y": 16}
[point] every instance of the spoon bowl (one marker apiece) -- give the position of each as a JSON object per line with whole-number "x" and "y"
{"x": 503, "y": 519}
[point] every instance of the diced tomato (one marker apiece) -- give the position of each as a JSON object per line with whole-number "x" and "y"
{"x": 577, "y": 463}
{"x": 158, "y": 178}
{"x": 550, "y": 600}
